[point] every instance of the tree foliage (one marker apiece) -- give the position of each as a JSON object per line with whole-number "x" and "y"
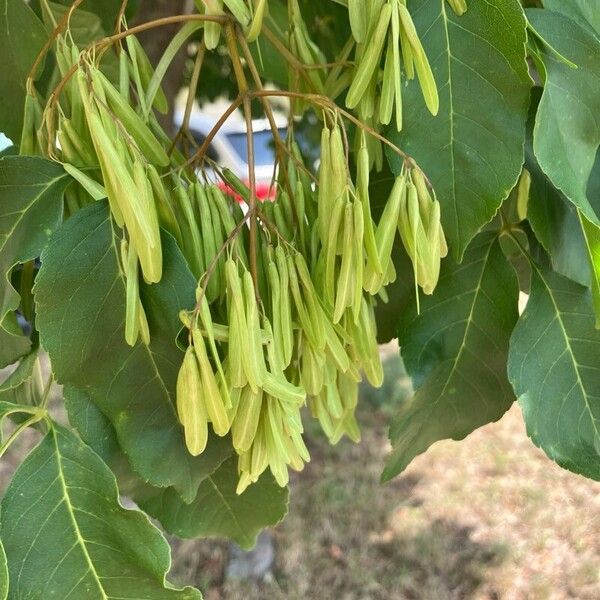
{"x": 458, "y": 170}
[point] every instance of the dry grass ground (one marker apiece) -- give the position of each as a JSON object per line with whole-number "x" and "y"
{"x": 487, "y": 518}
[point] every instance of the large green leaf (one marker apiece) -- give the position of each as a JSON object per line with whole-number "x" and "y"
{"x": 456, "y": 352}
{"x": 219, "y": 511}
{"x": 567, "y": 128}
{"x": 22, "y": 36}
{"x": 554, "y": 369}
{"x": 80, "y": 295}
{"x": 585, "y": 12}
{"x": 66, "y": 535}
{"x": 31, "y": 206}
{"x": 473, "y": 149}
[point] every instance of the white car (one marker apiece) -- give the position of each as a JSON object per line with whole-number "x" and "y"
{"x": 229, "y": 149}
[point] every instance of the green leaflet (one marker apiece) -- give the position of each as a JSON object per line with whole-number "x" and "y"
{"x": 31, "y": 207}
{"x": 456, "y": 352}
{"x": 216, "y": 511}
{"x": 552, "y": 217}
{"x": 84, "y": 26}
{"x": 553, "y": 367}
{"x": 473, "y": 150}
{"x": 13, "y": 344}
{"x": 81, "y": 304}
{"x": 22, "y": 35}
{"x": 91, "y": 425}
{"x": 79, "y": 541}
{"x": 219, "y": 511}
{"x": 106, "y": 10}
{"x": 3, "y": 573}
{"x": 20, "y": 386}
{"x": 585, "y": 12}
{"x": 567, "y": 128}
{"x": 591, "y": 233}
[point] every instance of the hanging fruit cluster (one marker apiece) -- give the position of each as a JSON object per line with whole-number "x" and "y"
{"x": 284, "y": 316}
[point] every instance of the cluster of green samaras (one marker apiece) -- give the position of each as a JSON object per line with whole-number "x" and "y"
{"x": 284, "y": 313}
{"x": 304, "y": 332}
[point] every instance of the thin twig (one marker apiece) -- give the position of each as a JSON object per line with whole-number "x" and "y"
{"x": 215, "y": 261}
{"x": 120, "y": 15}
{"x": 325, "y": 102}
{"x": 104, "y": 43}
{"x": 242, "y": 84}
{"x": 199, "y": 155}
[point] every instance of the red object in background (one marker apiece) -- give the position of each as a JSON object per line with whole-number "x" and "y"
{"x": 264, "y": 191}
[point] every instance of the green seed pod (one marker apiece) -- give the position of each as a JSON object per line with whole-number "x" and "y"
{"x": 151, "y": 258}
{"x": 190, "y": 233}
{"x": 208, "y": 330}
{"x": 362, "y": 189}
{"x": 133, "y": 124}
{"x": 345, "y": 291}
{"x": 359, "y": 257}
{"x": 146, "y": 72}
{"x": 245, "y": 424}
{"x": 388, "y": 88}
{"x": 385, "y": 235}
{"x": 212, "y": 31}
{"x": 164, "y": 207}
{"x": 397, "y": 72}
{"x": 358, "y": 12}
{"x": 239, "y": 10}
{"x": 336, "y": 220}
{"x": 211, "y": 394}
{"x": 255, "y": 362}
{"x": 32, "y": 120}
{"x": 370, "y": 60}
{"x": 311, "y": 371}
{"x": 424, "y": 72}
{"x": 287, "y": 327}
{"x": 326, "y": 196}
{"x": 144, "y": 328}
{"x": 241, "y": 344}
{"x": 129, "y": 259}
{"x": 190, "y": 407}
{"x": 260, "y": 10}
{"x": 315, "y": 312}
{"x": 458, "y": 6}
